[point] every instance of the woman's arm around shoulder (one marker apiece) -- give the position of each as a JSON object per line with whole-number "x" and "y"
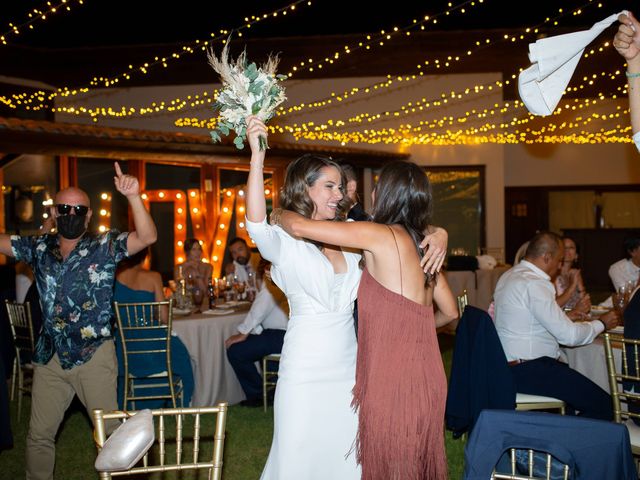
{"x": 361, "y": 235}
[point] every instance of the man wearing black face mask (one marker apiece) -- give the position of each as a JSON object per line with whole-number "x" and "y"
{"x": 74, "y": 272}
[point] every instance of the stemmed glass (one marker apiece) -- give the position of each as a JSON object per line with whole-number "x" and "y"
{"x": 619, "y": 303}
{"x": 198, "y": 297}
{"x": 239, "y": 289}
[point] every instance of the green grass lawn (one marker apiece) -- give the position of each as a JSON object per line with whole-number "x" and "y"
{"x": 248, "y": 438}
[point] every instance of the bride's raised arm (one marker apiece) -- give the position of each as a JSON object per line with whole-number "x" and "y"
{"x": 256, "y": 204}
{"x": 266, "y": 239}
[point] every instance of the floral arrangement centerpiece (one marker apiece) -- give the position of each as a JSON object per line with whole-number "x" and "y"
{"x": 246, "y": 90}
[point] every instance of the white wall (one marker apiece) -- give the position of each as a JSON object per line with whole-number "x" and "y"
{"x": 541, "y": 165}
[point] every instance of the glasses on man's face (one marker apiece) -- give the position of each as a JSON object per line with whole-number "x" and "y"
{"x": 64, "y": 209}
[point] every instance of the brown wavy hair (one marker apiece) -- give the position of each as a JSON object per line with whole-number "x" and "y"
{"x": 302, "y": 174}
{"x": 403, "y": 197}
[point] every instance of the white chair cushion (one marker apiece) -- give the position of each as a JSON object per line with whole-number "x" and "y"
{"x": 527, "y": 398}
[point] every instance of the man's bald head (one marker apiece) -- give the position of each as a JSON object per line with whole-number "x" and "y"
{"x": 545, "y": 251}
{"x": 543, "y": 242}
{"x": 72, "y": 196}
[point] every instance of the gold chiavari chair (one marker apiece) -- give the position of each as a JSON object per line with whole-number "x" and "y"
{"x": 22, "y": 332}
{"x": 268, "y": 376}
{"x": 144, "y": 331}
{"x": 628, "y": 370}
{"x": 169, "y": 452}
{"x": 463, "y": 301}
{"x": 532, "y": 462}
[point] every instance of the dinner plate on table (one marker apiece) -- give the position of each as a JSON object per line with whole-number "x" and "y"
{"x": 218, "y": 311}
{"x": 181, "y": 311}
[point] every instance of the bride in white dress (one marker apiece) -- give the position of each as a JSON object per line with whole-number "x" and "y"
{"x": 314, "y": 424}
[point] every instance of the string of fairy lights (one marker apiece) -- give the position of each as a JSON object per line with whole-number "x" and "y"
{"x": 36, "y": 101}
{"x": 334, "y": 97}
{"x": 385, "y": 35}
{"x": 192, "y": 122}
{"x": 194, "y": 101}
{"x": 204, "y": 98}
{"x": 417, "y": 106}
{"x": 411, "y": 108}
{"x": 39, "y": 100}
{"x": 311, "y": 131}
{"x": 37, "y": 15}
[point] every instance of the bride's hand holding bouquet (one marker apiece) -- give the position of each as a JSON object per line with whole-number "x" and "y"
{"x": 247, "y": 90}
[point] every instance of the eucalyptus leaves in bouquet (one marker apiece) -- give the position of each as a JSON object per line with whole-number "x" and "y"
{"x": 246, "y": 90}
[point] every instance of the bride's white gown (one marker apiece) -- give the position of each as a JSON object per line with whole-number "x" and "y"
{"x": 314, "y": 425}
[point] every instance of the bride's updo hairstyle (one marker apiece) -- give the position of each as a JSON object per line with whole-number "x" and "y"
{"x": 403, "y": 197}
{"x": 303, "y": 173}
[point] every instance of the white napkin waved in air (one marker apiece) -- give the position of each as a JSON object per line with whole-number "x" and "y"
{"x": 554, "y": 60}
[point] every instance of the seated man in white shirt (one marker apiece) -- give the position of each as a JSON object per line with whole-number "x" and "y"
{"x": 261, "y": 333}
{"x": 532, "y": 326}
{"x": 627, "y": 270}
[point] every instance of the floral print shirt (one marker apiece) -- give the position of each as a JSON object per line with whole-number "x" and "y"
{"x": 75, "y": 294}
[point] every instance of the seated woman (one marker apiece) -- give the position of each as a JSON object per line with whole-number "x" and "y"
{"x": 134, "y": 284}
{"x": 570, "y": 291}
{"x": 194, "y": 270}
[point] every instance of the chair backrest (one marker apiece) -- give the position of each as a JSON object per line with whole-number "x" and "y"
{"x": 145, "y": 329}
{"x": 21, "y": 326}
{"x": 627, "y": 371}
{"x": 168, "y": 452}
{"x": 532, "y": 465}
{"x": 480, "y": 377}
{"x": 463, "y": 301}
{"x": 590, "y": 448}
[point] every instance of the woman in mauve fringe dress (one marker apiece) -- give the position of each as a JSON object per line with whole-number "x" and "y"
{"x": 400, "y": 389}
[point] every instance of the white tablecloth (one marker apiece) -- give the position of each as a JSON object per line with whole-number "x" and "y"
{"x": 590, "y": 360}
{"x": 204, "y": 338}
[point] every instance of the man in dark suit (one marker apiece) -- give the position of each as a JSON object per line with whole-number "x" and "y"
{"x": 356, "y": 212}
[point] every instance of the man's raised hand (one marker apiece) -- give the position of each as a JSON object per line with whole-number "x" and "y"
{"x": 126, "y": 184}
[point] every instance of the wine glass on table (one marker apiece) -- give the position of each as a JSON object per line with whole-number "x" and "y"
{"x": 239, "y": 289}
{"x": 619, "y": 303}
{"x": 198, "y": 297}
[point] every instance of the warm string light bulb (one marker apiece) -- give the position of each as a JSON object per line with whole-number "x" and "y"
{"x": 104, "y": 211}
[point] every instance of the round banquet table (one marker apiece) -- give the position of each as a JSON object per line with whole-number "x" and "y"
{"x": 204, "y": 337}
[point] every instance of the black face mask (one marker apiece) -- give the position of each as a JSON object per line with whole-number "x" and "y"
{"x": 71, "y": 226}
